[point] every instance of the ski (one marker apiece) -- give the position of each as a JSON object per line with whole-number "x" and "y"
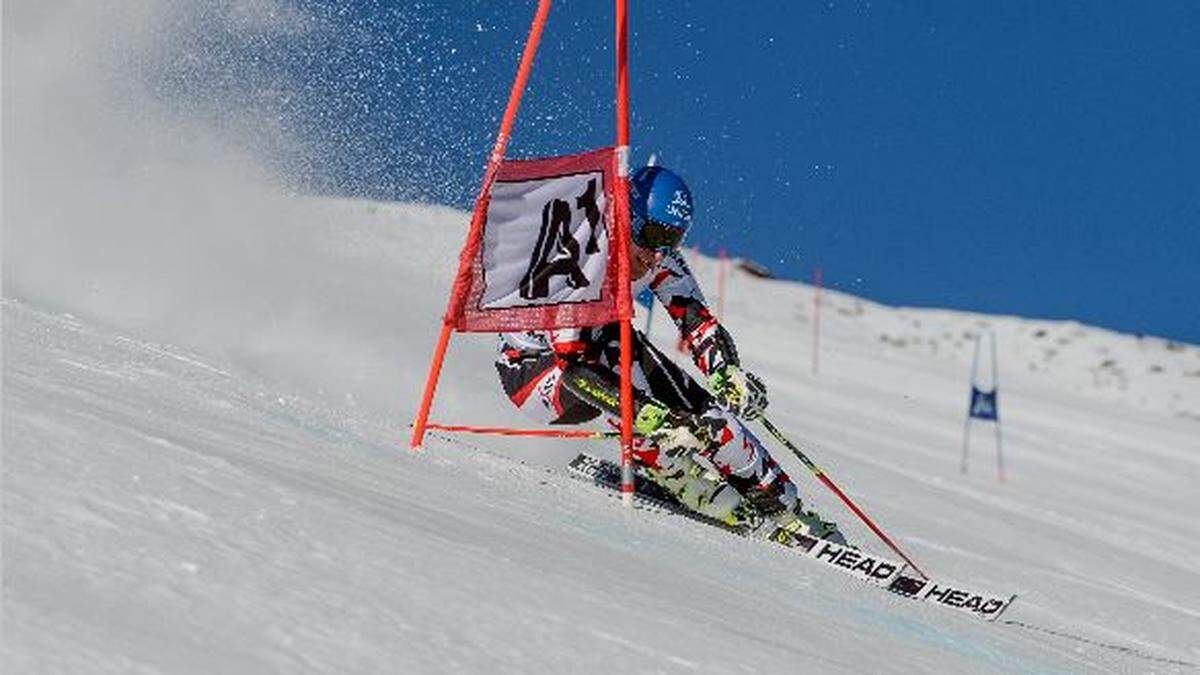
{"x": 875, "y": 570}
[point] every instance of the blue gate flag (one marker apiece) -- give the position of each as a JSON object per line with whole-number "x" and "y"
{"x": 983, "y": 405}
{"x": 646, "y": 298}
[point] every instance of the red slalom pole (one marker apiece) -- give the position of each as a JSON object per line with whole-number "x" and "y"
{"x": 816, "y": 347}
{"x": 838, "y": 491}
{"x": 624, "y": 237}
{"x": 506, "y": 431}
{"x": 462, "y": 281}
{"x": 721, "y": 264}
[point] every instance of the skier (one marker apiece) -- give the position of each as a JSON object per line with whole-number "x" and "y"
{"x": 692, "y": 442}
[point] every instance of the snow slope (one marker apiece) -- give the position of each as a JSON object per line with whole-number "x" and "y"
{"x": 228, "y": 489}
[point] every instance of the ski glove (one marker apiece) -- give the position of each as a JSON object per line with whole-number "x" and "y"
{"x": 740, "y": 392}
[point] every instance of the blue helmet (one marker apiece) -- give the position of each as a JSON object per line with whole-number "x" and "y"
{"x": 660, "y": 208}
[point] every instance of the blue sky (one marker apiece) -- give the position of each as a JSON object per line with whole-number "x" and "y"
{"x": 1031, "y": 158}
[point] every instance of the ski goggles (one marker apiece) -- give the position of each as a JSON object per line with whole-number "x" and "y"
{"x": 656, "y": 236}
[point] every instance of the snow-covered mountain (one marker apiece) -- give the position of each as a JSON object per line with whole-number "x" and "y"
{"x": 206, "y": 470}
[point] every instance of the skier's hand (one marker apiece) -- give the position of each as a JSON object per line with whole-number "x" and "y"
{"x": 738, "y": 391}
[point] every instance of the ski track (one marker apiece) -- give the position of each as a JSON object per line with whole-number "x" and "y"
{"x": 170, "y": 511}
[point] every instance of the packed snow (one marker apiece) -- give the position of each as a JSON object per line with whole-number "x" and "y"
{"x": 174, "y": 507}
{"x": 208, "y": 384}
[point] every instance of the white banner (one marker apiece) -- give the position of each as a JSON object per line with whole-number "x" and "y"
{"x": 545, "y": 242}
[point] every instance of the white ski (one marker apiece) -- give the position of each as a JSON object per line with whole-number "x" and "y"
{"x": 872, "y": 569}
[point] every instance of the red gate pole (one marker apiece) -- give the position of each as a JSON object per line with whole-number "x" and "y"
{"x": 462, "y": 281}
{"x": 996, "y": 392}
{"x": 816, "y": 346}
{"x": 721, "y": 264}
{"x": 624, "y": 235}
{"x": 534, "y": 433}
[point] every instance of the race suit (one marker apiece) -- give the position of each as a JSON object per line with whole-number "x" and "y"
{"x": 571, "y": 376}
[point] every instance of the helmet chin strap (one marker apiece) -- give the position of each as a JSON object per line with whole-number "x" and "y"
{"x": 640, "y": 264}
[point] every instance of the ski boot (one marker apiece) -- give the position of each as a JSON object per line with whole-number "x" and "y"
{"x": 797, "y": 522}
{"x": 697, "y": 488}
{"x": 679, "y": 466}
